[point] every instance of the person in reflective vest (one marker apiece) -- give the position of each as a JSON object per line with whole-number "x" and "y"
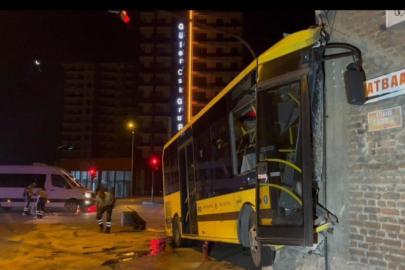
{"x": 28, "y": 192}
{"x": 105, "y": 202}
{"x": 41, "y": 201}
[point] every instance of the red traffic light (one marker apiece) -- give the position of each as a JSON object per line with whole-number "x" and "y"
{"x": 154, "y": 161}
{"x": 124, "y": 16}
{"x": 92, "y": 172}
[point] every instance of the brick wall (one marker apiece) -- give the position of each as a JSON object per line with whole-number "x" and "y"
{"x": 375, "y": 201}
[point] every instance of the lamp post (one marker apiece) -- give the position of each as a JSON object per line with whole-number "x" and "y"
{"x": 154, "y": 164}
{"x": 131, "y": 126}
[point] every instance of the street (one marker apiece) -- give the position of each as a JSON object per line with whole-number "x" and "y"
{"x": 50, "y": 243}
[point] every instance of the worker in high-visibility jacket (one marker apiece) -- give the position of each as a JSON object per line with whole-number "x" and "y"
{"x": 28, "y": 192}
{"x": 105, "y": 202}
{"x": 41, "y": 201}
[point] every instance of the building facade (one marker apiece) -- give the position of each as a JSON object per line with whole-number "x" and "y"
{"x": 217, "y": 58}
{"x": 101, "y": 98}
{"x": 364, "y": 181}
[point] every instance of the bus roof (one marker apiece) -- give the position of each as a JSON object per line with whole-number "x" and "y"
{"x": 289, "y": 44}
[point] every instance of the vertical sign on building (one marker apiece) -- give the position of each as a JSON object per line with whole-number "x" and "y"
{"x": 181, "y": 72}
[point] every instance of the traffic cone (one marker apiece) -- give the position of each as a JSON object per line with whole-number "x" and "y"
{"x": 78, "y": 210}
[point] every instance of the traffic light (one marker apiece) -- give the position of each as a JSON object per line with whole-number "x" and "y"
{"x": 124, "y": 17}
{"x": 122, "y": 14}
{"x": 154, "y": 162}
{"x": 93, "y": 173}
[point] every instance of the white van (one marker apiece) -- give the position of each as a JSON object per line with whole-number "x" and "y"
{"x": 62, "y": 189}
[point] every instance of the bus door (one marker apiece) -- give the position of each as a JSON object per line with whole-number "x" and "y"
{"x": 188, "y": 189}
{"x": 283, "y": 176}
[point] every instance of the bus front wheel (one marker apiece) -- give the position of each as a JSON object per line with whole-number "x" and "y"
{"x": 261, "y": 255}
{"x": 178, "y": 240}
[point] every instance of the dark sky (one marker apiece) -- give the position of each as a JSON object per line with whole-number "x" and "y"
{"x": 31, "y": 100}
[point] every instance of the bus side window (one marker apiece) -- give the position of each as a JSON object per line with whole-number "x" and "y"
{"x": 174, "y": 169}
{"x": 244, "y": 128}
{"x": 203, "y": 165}
{"x": 167, "y": 172}
{"x": 221, "y": 157}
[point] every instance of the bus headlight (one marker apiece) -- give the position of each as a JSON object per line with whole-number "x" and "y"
{"x": 87, "y": 195}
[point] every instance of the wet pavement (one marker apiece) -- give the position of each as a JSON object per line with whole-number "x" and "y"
{"x": 65, "y": 241}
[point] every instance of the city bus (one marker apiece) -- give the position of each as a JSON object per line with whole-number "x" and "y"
{"x": 245, "y": 169}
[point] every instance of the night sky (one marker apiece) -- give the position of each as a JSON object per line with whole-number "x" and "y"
{"x": 31, "y": 101}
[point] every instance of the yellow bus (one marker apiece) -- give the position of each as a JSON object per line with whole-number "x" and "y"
{"x": 245, "y": 169}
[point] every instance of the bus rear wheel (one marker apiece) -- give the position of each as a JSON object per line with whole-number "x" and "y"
{"x": 177, "y": 239}
{"x": 262, "y": 255}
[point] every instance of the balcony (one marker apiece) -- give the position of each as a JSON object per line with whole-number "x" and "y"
{"x": 163, "y": 70}
{"x": 217, "y": 55}
{"x": 206, "y": 70}
{"x": 156, "y": 22}
{"x": 151, "y": 83}
{"x": 154, "y": 99}
{"x": 150, "y": 114}
{"x": 209, "y": 85}
{"x": 155, "y": 53}
{"x": 149, "y": 130}
{"x": 158, "y": 40}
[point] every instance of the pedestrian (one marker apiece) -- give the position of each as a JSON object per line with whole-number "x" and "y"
{"x": 28, "y": 192}
{"x": 105, "y": 202}
{"x": 41, "y": 201}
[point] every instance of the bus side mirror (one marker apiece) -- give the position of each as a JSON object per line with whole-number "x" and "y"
{"x": 354, "y": 84}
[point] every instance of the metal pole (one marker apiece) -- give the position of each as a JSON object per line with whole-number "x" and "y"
{"x": 153, "y": 182}
{"x": 91, "y": 182}
{"x": 132, "y": 163}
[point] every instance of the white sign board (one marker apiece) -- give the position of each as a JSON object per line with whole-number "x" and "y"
{"x": 386, "y": 86}
{"x": 385, "y": 119}
{"x": 394, "y": 17}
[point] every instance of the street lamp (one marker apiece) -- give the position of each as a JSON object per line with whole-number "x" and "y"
{"x": 131, "y": 126}
{"x": 68, "y": 146}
